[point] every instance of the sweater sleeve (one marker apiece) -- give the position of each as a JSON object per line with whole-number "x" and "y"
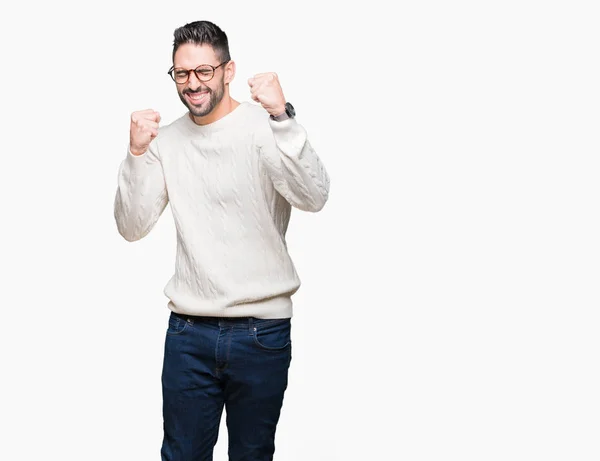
{"x": 295, "y": 169}
{"x": 141, "y": 194}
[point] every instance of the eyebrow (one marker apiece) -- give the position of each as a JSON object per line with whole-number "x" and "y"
{"x": 203, "y": 64}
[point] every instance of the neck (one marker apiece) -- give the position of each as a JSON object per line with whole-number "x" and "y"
{"x": 224, "y": 107}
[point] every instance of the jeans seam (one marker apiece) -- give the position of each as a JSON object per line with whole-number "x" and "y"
{"x": 175, "y": 333}
{"x": 266, "y": 348}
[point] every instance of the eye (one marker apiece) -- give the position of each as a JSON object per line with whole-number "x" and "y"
{"x": 205, "y": 71}
{"x": 180, "y": 74}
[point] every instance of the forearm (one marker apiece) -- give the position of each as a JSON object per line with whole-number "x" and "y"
{"x": 297, "y": 172}
{"x": 141, "y": 195}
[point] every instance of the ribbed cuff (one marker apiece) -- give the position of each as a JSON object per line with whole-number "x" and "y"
{"x": 137, "y": 163}
{"x": 289, "y": 135}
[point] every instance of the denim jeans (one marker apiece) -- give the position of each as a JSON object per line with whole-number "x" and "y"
{"x": 240, "y": 364}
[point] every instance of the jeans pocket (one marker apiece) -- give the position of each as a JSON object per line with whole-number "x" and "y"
{"x": 272, "y": 335}
{"x": 177, "y": 324}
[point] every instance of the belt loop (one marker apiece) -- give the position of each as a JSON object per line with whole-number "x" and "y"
{"x": 250, "y": 326}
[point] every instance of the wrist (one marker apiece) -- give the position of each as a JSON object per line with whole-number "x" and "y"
{"x": 279, "y": 110}
{"x": 136, "y": 152}
{"x": 286, "y": 113}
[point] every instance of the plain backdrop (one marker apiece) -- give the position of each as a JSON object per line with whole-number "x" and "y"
{"x": 449, "y": 307}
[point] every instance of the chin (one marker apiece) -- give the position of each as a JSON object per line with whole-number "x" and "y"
{"x": 197, "y": 112}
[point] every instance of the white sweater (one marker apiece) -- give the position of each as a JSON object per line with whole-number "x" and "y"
{"x": 231, "y": 185}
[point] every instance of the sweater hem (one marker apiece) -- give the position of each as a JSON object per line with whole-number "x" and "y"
{"x": 273, "y": 308}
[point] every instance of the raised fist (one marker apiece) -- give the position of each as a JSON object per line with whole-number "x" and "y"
{"x": 144, "y": 128}
{"x": 266, "y": 90}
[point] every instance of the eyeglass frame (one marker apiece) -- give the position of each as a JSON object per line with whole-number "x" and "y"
{"x": 189, "y": 71}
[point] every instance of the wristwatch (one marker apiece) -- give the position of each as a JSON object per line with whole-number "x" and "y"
{"x": 290, "y": 112}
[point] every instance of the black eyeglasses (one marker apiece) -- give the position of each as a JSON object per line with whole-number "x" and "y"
{"x": 204, "y": 73}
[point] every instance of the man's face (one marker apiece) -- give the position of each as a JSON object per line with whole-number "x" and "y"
{"x": 199, "y": 97}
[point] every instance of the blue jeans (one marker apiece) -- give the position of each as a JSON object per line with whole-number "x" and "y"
{"x": 240, "y": 364}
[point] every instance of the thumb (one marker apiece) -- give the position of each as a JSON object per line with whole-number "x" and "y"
{"x": 251, "y": 81}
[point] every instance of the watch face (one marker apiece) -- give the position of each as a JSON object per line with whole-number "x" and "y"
{"x": 290, "y": 109}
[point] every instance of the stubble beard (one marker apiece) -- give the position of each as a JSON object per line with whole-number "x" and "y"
{"x": 214, "y": 98}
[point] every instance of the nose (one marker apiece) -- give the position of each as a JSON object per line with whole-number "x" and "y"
{"x": 193, "y": 81}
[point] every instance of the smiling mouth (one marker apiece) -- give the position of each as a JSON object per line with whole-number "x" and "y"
{"x": 198, "y": 97}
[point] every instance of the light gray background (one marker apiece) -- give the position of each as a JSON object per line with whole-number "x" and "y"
{"x": 449, "y": 306}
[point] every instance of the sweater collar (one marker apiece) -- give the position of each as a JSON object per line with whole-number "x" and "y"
{"x": 226, "y": 121}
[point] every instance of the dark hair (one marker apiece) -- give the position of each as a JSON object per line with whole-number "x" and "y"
{"x": 203, "y": 33}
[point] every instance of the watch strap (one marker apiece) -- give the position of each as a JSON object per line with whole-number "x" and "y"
{"x": 289, "y": 112}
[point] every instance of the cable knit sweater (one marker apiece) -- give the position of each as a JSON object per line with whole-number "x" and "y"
{"x": 231, "y": 185}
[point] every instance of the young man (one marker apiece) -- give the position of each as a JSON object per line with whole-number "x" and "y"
{"x": 231, "y": 172}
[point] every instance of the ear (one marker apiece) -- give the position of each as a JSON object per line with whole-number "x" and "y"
{"x": 229, "y": 71}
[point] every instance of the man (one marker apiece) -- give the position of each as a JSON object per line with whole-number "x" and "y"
{"x": 231, "y": 172}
